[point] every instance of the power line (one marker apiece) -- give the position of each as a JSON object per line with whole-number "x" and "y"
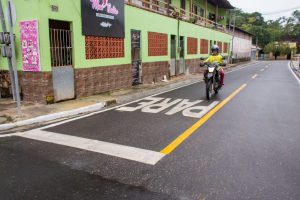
{"x": 280, "y": 11}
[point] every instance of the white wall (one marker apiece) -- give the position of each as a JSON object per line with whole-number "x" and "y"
{"x": 242, "y": 47}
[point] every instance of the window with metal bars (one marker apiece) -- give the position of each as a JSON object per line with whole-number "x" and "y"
{"x": 60, "y": 43}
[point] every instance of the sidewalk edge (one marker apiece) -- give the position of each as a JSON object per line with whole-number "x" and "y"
{"x": 54, "y": 116}
{"x": 293, "y": 70}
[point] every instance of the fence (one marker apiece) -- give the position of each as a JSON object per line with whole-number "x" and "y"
{"x": 164, "y": 8}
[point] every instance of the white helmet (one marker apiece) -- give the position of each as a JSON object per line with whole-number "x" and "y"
{"x": 215, "y": 48}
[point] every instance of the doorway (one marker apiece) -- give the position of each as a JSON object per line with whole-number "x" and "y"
{"x": 61, "y": 60}
{"x": 181, "y": 56}
{"x": 210, "y": 46}
{"x": 136, "y": 56}
{"x": 173, "y": 56}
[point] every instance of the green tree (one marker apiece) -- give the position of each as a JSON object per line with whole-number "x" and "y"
{"x": 277, "y": 48}
{"x": 268, "y": 31}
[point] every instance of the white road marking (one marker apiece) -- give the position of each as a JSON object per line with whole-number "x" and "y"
{"x": 253, "y": 77}
{"x": 262, "y": 70}
{"x": 157, "y": 105}
{"x": 296, "y": 77}
{"x": 121, "y": 151}
{"x": 115, "y": 107}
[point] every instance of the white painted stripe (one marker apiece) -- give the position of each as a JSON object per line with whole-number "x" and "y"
{"x": 262, "y": 70}
{"x": 296, "y": 77}
{"x": 121, "y": 151}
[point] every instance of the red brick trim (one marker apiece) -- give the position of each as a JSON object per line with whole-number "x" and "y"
{"x": 154, "y": 71}
{"x": 92, "y": 81}
{"x": 36, "y": 86}
{"x": 194, "y": 66}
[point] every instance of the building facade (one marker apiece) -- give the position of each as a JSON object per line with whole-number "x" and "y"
{"x": 242, "y": 45}
{"x": 67, "y": 56}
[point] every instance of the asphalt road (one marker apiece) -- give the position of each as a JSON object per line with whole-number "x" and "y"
{"x": 243, "y": 144}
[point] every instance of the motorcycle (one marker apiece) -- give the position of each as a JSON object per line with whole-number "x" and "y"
{"x": 212, "y": 79}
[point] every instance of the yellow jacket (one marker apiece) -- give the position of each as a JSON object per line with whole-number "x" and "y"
{"x": 214, "y": 58}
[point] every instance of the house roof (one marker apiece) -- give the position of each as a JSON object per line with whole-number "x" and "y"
{"x": 291, "y": 38}
{"x": 222, "y": 3}
{"x": 241, "y": 30}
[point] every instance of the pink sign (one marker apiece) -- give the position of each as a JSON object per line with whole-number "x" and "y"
{"x": 30, "y": 46}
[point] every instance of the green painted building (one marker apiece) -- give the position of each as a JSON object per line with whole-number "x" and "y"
{"x": 161, "y": 39}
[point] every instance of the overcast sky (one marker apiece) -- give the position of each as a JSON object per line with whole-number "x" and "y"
{"x": 267, "y": 6}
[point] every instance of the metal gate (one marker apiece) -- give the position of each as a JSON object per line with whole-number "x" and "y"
{"x": 61, "y": 62}
{"x": 181, "y": 58}
{"x": 136, "y": 56}
{"x": 173, "y": 56}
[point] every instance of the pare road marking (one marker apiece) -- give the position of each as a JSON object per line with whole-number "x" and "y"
{"x": 171, "y": 106}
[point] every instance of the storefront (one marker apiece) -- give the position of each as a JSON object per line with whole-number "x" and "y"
{"x": 84, "y": 47}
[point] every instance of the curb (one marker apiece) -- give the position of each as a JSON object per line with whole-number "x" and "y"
{"x": 294, "y": 69}
{"x": 99, "y": 106}
{"x": 54, "y": 116}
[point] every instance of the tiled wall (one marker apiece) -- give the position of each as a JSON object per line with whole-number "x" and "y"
{"x": 103, "y": 47}
{"x": 97, "y": 80}
{"x": 157, "y": 44}
{"x": 192, "y": 45}
{"x": 203, "y": 46}
{"x": 220, "y": 46}
{"x": 225, "y": 50}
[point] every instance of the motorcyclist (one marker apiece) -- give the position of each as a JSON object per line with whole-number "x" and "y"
{"x": 216, "y": 57}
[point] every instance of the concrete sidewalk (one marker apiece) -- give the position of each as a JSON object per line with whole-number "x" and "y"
{"x": 38, "y": 113}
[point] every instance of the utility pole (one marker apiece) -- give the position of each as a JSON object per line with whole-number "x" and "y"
{"x": 13, "y": 50}
{"x": 12, "y": 78}
{"x": 232, "y": 40}
{"x": 257, "y": 46}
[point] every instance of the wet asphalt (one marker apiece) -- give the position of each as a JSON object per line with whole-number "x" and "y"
{"x": 248, "y": 150}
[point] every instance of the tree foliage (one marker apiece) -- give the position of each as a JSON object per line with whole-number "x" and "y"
{"x": 277, "y": 48}
{"x": 269, "y": 31}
